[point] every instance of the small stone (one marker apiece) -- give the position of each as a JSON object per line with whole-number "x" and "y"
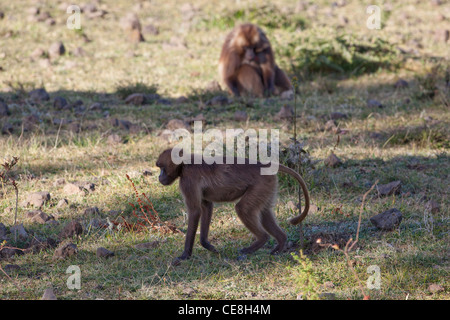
{"x": 433, "y": 206}
{"x": 38, "y": 199}
{"x": 174, "y": 124}
{"x": 104, "y": 253}
{"x": 37, "y": 54}
{"x": 327, "y": 296}
{"x": 65, "y": 251}
{"x": 442, "y": 35}
{"x": 73, "y": 189}
{"x": 114, "y": 139}
{"x": 374, "y": 104}
{"x": 189, "y": 291}
{"x": 387, "y": 220}
{"x": 4, "y": 110}
{"x": 3, "y": 232}
{"x": 287, "y": 95}
{"x": 38, "y": 216}
{"x": 286, "y": 112}
{"x": 7, "y": 128}
{"x": 56, "y": 50}
{"x": 136, "y": 99}
{"x": 332, "y": 161}
{"x": 39, "y": 95}
{"x": 435, "y": 288}
{"x": 73, "y": 228}
{"x": 59, "y": 103}
{"x": 150, "y": 29}
{"x": 240, "y": 116}
{"x": 91, "y": 211}
{"x": 330, "y": 125}
{"x": 338, "y": 115}
{"x": 21, "y": 232}
{"x": 62, "y": 203}
{"x": 219, "y": 100}
{"x": 401, "y": 84}
{"x": 147, "y": 245}
{"x": 10, "y": 268}
{"x": 390, "y": 188}
{"x": 49, "y": 295}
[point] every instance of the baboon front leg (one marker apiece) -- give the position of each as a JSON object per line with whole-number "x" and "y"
{"x": 207, "y": 208}
{"x": 193, "y": 219}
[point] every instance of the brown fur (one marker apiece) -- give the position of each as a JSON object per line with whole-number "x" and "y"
{"x": 247, "y": 64}
{"x": 203, "y": 184}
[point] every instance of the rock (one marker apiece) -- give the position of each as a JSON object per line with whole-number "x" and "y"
{"x": 132, "y": 26}
{"x": 374, "y": 104}
{"x": 59, "y": 182}
{"x": 401, "y": 84}
{"x": 327, "y": 296}
{"x": 240, "y": 116}
{"x": 10, "y": 268}
{"x": 147, "y": 173}
{"x": 39, "y": 95}
{"x": 104, "y": 253}
{"x": 56, "y": 50}
{"x": 287, "y": 95}
{"x": 442, "y": 35}
{"x": 60, "y": 103}
{"x": 174, "y": 124}
{"x": 387, "y": 220}
{"x": 3, "y": 232}
{"x": 79, "y": 52}
{"x": 4, "y": 110}
{"x": 62, "y": 203}
{"x": 390, "y": 188}
{"x": 330, "y": 125}
{"x": 8, "y": 253}
{"x": 73, "y": 228}
{"x": 189, "y": 291}
{"x": 435, "y": 288}
{"x": 213, "y": 86}
{"x": 37, "y": 245}
{"x": 338, "y": 115}
{"x": 89, "y": 186}
{"x": 38, "y": 216}
{"x": 433, "y": 206}
{"x": 114, "y": 139}
{"x": 219, "y": 100}
{"x": 286, "y": 112}
{"x": 147, "y": 245}
{"x": 91, "y": 211}
{"x": 65, "y": 251}
{"x": 332, "y": 161}
{"x": 150, "y": 29}
{"x": 37, "y": 199}
{"x": 73, "y": 189}
{"x": 37, "y": 54}
{"x": 21, "y": 232}
{"x": 136, "y": 99}
{"x": 167, "y": 135}
{"x": 7, "y": 128}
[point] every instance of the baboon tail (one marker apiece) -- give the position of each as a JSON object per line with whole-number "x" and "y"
{"x": 296, "y": 220}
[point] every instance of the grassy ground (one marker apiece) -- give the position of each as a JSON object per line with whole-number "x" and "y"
{"x": 340, "y": 65}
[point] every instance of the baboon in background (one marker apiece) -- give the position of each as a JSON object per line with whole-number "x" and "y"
{"x": 203, "y": 184}
{"x": 247, "y": 64}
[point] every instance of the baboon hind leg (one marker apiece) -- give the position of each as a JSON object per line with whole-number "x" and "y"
{"x": 270, "y": 224}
